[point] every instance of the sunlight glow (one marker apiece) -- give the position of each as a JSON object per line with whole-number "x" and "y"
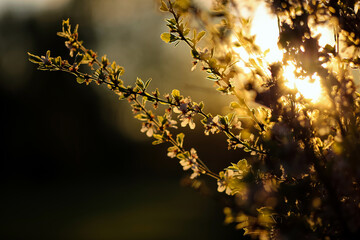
{"x": 265, "y": 27}
{"x": 310, "y": 88}
{"x": 243, "y": 55}
{"x": 326, "y": 35}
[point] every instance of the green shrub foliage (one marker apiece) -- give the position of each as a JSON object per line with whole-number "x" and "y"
{"x": 301, "y": 176}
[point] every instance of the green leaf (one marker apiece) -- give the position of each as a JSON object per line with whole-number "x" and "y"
{"x": 157, "y": 142}
{"x": 140, "y": 83}
{"x": 201, "y": 105}
{"x": 175, "y": 93}
{"x": 180, "y": 139}
{"x": 80, "y": 80}
{"x": 122, "y": 96}
{"x": 230, "y": 117}
{"x": 200, "y": 36}
{"x": 182, "y": 156}
{"x": 156, "y": 93}
{"x": 212, "y": 78}
{"x": 147, "y": 83}
{"x": 223, "y": 89}
{"x": 58, "y": 61}
{"x": 78, "y": 58}
{"x": 34, "y": 59}
{"x": 168, "y": 37}
{"x": 114, "y": 66}
{"x": 66, "y": 27}
{"x": 222, "y": 120}
{"x": 62, "y": 34}
{"x": 186, "y": 31}
{"x": 172, "y": 148}
{"x": 171, "y": 21}
{"x": 159, "y": 139}
{"x": 234, "y": 105}
{"x": 160, "y": 118}
{"x": 164, "y": 7}
{"x": 165, "y": 37}
{"x": 195, "y": 54}
{"x": 158, "y": 136}
{"x": 104, "y": 61}
{"x": 213, "y": 63}
{"x": 141, "y": 117}
{"x": 76, "y": 28}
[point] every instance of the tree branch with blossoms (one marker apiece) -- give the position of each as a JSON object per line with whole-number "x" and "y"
{"x": 301, "y": 170}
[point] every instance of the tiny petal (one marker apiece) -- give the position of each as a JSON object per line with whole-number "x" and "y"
{"x": 171, "y": 154}
{"x": 191, "y": 124}
{"x": 176, "y": 110}
{"x": 221, "y": 186}
{"x": 184, "y": 122}
{"x": 194, "y": 175}
{"x": 150, "y": 132}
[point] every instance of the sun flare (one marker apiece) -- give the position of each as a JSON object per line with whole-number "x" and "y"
{"x": 309, "y": 87}
{"x": 265, "y": 27}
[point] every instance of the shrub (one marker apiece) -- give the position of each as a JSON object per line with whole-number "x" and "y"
{"x": 296, "y": 113}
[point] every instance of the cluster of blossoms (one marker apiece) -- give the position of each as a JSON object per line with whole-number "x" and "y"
{"x": 150, "y": 127}
{"x": 211, "y": 125}
{"x": 189, "y": 161}
{"x": 185, "y": 115}
{"x": 232, "y": 176}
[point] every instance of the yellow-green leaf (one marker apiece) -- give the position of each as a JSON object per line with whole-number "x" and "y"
{"x": 165, "y": 37}
{"x": 200, "y": 36}
{"x": 163, "y": 7}
{"x": 80, "y": 80}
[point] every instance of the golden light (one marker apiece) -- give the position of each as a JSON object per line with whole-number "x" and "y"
{"x": 309, "y": 87}
{"x": 243, "y": 55}
{"x": 326, "y": 35}
{"x": 265, "y": 27}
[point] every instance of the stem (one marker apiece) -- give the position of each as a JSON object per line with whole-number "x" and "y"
{"x": 193, "y": 46}
{"x": 202, "y": 165}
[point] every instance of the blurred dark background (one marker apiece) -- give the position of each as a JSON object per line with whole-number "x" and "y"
{"x": 74, "y": 164}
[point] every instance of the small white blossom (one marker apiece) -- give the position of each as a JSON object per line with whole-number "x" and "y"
{"x": 191, "y": 163}
{"x": 186, "y": 164}
{"x": 172, "y": 154}
{"x": 185, "y": 115}
{"x": 196, "y": 171}
{"x": 223, "y": 182}
{"x": 211, "y": 125}
{"x": 187, "y": 119}
{"x": 149, "y": 128}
